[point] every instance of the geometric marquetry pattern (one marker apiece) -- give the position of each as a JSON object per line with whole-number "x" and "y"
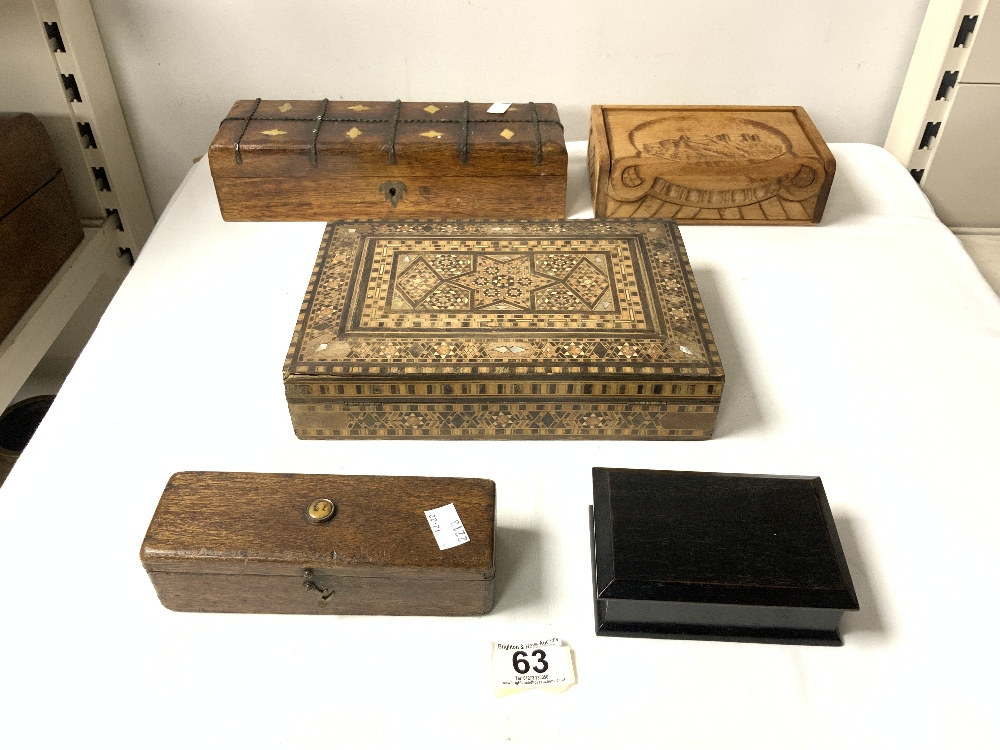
{"x": 604, "y": 298}
{"x": 454, "y": 282}
{"x": 544, "y": 420}
{"x": 503, "y": 330}
{"x": 491, "y": 281}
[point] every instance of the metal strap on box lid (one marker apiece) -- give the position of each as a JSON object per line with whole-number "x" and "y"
{"x": 394, "y": 120}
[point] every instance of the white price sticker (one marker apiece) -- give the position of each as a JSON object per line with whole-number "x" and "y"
{"x": 447, "y": 526}
{"x": 547, "y": 665}
{"x": 498, "y": 108}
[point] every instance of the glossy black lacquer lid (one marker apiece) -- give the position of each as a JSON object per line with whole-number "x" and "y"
{"x": 718, "y": 538}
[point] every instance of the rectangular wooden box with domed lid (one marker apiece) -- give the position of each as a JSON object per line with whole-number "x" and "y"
{"x": 708, "y": 165}
{"x": 503, "y": 330}
{"x": 321, "y": 160}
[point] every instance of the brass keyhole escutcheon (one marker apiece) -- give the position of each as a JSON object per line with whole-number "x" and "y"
{"x": 392, "y": 192}
{"x": 320, "y": 510}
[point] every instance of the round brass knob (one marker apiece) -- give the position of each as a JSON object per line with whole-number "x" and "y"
{"x": 320, "y": 510}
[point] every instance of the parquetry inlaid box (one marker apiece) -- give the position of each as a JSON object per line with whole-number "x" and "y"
{"x": 708, "y": 165}
{"x": 321, "y": 160}
{"x": 578, "y": 329}
{"x": 707, "y": 556}
{"x": 319, "y": 544}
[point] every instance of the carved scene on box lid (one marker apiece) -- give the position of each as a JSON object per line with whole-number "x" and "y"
{"x": 706, "y": 165}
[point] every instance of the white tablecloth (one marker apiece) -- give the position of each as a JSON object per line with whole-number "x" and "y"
{"x": 865, "y": 351}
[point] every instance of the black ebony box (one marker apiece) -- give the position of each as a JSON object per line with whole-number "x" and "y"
{"x": 732, "y": 557}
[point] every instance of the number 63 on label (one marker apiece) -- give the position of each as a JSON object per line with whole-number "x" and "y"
{"x": 521, "y": 665}
{"x": 546, "y": 664}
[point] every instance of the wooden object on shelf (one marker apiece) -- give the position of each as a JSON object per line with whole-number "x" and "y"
{"x": 39, "y": 225}
{"x": 706, "y": 556}
{"x": 708, "y": 165}
{"x": 321, "y": 160}
{"x": 267, "y": 543}
{"x": 501, "y": 329}
{"x": 92, "y": 273}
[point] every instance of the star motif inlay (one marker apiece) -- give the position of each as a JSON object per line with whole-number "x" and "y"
{"x": 508, "y": 134}
{"x": 285, "y": 107}
{"x": 502, "y": 280}
{"x": 359, "y": 108}
{"x": 274, "y": 131}
{"x": 431, "y": 109}
{"x": 432, "y": 134}
{"x": 353, "y": 133}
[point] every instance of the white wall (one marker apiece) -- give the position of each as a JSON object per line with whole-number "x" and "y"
{"x": 179, "y": 64}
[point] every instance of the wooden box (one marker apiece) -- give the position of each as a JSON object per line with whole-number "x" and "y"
{"x": 708, "y": 165}
{"x": 576, "y": 329}
{"x": 732, "y": 557}
{"x": 39, "y": 225}
{"x": 321, "y": 160}
{"x": 267, "y": 543}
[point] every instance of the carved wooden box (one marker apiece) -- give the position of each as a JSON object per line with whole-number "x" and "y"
{"x": 322, "y": 160}
{"x": 706, "y": 556}
{"x": 319, "y": 544}
{"x": 576, "y": 329}
{"x": 708, "y": 165}
{"x": 39, "y": 224}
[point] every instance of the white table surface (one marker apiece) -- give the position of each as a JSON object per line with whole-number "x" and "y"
{"x": 865, "y": 351}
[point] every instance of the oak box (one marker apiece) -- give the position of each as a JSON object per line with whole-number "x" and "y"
{"x": 319, "y": 544}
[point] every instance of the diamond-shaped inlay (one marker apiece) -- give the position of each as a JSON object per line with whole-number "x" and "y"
{"x": 285, "y": 107}
{"x": 274, "y": 131}
{"x": 557, "y": 285}
{"x": 432, "y": 134}
{"x": 482, "y": 281}
{"x": 353, "y": 133}
{"x": 508, "y": 134}
{"x": 587, "y": 281}
{"x": 431, "y": 109}
{"x": 359, "y": 108}
{"x": 471, "y": 349}
{"x": 417, "y": 280}
{"x": 548, "y": 419}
